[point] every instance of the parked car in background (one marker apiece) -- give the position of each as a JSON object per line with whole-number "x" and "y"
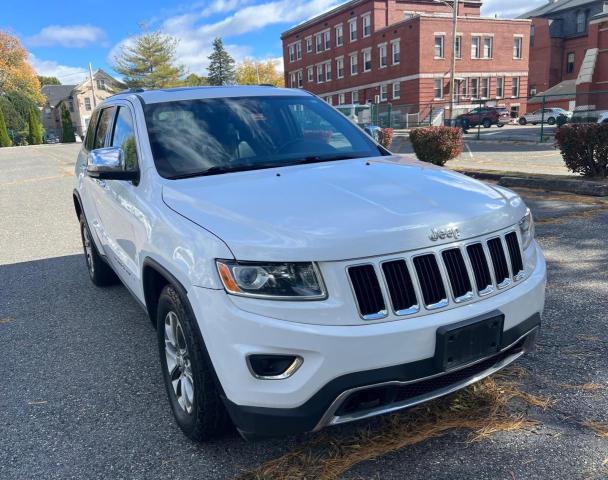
{"x": 549, "y": 116}
{"x": 485, "y": 116}
{"x": 603, "y": 118}
{"x": 589, "y": 116}
{"x": 51, "y": 138}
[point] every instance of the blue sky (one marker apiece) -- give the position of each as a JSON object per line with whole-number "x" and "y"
{"x": 64, "y": 36}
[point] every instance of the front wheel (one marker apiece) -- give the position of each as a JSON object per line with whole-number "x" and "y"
{"x": 551, "y": 121}
{"x": 487, "y": 123}
{"x": 190, "y": 381}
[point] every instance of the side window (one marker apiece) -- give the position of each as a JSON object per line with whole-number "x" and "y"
{"x": 88, "y": 141}
{"x": 102, "y": 127}
{"x": 124, "y": 137}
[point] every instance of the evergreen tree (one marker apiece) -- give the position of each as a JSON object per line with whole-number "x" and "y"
{"x": 194, "y": 80}
{"x": 48, "y": 80}
{"x": 35, "y": 128}
{"x": 67, "y": 129}
{"x": 5, "y": 140}
{"x": 221, "y": 65}
{"x": 148, "y": 61}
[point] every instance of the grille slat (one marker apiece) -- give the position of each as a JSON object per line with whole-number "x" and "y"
{"x": 457, "y": 272}
{"x": 517, "y": 264}
{"x": 429, "y": 276}
{"x": 499, "y": 260}
{"x": 400, "y": 286}
{"x": 367, "y": 290}
{"x": 481, "y": 271}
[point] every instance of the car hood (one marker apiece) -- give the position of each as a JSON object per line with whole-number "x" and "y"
{"x": 340, "y": 210}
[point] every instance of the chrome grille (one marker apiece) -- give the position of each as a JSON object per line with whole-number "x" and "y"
{"x": 466, "y": 270}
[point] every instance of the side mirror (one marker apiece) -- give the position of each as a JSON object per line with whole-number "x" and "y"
{"x": 108, "y": 164}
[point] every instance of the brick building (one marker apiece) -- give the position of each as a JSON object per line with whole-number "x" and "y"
{"x": 569, "y": 52}
{"x": 399, "y": 52}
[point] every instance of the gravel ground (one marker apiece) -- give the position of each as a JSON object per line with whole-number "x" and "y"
{"x": 82, "y": 395}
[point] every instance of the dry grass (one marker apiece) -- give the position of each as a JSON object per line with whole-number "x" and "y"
{"x": 482, "y": 409}
{"x": 601, "y": 429}
{"x": 587, "y": 387}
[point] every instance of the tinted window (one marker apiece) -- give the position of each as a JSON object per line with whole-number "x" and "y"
{"x": 190, "y": 137}
{"x": 124, "y": 137}
{"x": 102, "y": 128}
{"x": 88, "y": 141}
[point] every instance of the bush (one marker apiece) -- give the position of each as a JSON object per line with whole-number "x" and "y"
{"x": 437, "y": 145}
{"x": 386, "y": 137}
{"x": 584, "y": 148}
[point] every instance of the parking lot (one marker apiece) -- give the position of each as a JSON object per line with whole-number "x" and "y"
{"x": 82, "y": 394}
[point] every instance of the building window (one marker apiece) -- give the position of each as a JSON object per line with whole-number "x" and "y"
{"x": 488, "y": 47}
{"x": 292, "y": 80}
{"x": 339, "y": 36}
{"x": 327, "y": 40}
{"x": 291, "y": 53}
{"x": 308, "y": 44}
{"x": 319, "y": 42}
{"x": 396, "y": 90}
{"x": 459, "y": 46}
{"x": 327, "y": 71}
{"x": 517, "y": 47}
{"x": 101, "y": 84}
{"x": 340, "y": 67}
{"x": 319, "y": 73}
{"x": 500, "y": 87}
{"x": 532, "y": 35}
{"x": 515, "y": 87}
{"x": 461, "y": 89}
{"x": 330, "y": 100}
{"x": 438, "y": 90}
{"x": 71, "y": 106}
{"x": 383, "y": 92}
{"x": 570, "y": 63}
{"x": 581, "y": 22}
{"x": 485, "y": 87}
{"x": 341, "y": 99}
{"x": 310, "y": 73}
{"x": 382, "y": 52}
{"x": 300, "y": 79}
{"x": 299, "y": 51}
{"x": 532, "y": 90}
{"x": 367, "y": 60}
{"x": 396, "y": 52}
{"x": 367, "y": 25}
{"x": 353, "y": 64}
{"x": 474, "y": 88}
{"x": 355, "y": 96}
{"x": 475, "y": 45}
{"x": 352, "y": 29}
{"x": 87, "y": 104}
{"x": 439, "y": 39}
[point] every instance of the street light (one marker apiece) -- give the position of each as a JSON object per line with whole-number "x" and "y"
{"x": 454, "y": 8}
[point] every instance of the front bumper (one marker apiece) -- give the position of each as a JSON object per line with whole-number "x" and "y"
{"x": 338, "y": 359}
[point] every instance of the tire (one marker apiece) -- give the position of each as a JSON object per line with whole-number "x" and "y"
{"x": 487, "y": 123}
{"x": 466, "y": 124}
{"x": 100, "y": 273}
{"x": 523, "y": 121}
{"x": 500, "y": 125}
{"x": 195, "y": 398}
{"x": 551, "y": 120}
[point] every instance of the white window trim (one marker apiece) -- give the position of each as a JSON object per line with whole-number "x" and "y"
{"x": 483, "y": 46}
{"x": 503, "y": 87}
{"x": 351, "y": 22}
{"x": 442, "y": 36}
{"x": 364, "y": 15}
{"x": 442, "y": 92}
{"x": 394, "y": 42}
{"x": 398, "y": 96}
{"x": 380, "y": 47}
{"x": 350, "y": 63}
{"x": 521, "y": 47}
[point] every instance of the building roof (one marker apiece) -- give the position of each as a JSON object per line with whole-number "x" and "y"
{"x": 566, "y": 91}
{"x": 55, "y": 93}
{"x": 554, "y": 6}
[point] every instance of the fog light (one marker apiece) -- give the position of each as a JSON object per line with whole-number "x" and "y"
{"x": 273, "y": 367}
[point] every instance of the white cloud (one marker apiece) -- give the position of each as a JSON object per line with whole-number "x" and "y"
{"x": 510, "y": 9}
{"x": 71, "y": 36}
{"x": 67, "y": 75}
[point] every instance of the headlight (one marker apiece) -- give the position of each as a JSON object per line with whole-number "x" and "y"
{"x": 526, "y": 227}
{"x": 282, "y": 281}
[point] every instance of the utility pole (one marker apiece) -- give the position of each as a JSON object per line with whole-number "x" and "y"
{"x": 92, "y": 84}
{"x": 453, "y": 69}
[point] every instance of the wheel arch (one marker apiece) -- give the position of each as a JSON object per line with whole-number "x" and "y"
{"x": 77, "y": 202}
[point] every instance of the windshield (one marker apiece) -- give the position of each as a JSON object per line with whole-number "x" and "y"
{"x": 220, "y": 135}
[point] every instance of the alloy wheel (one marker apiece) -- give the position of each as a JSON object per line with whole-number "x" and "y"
{"x": 88, "y": 249}
{"x": 179, "y": 365}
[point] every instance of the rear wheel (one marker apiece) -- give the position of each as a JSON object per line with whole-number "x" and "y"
{"x": 190, "y": 381}
{"x": 522, "y": 121}
{"x": 487, "y": 123}
{"x": 551, "y": 120}
{"x": 100, "y": 272}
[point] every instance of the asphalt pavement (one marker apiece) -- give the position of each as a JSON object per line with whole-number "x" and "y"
{"x": 82, "y": 396}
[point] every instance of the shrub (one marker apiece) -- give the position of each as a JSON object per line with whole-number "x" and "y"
{"x": 5, "y": 140}
{"x": 437, "y": 145}
{"x": 386, "y": 137}
{"x": 584, "y": 148}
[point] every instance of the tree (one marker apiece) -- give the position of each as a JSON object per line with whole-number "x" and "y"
{"x": 36, "y": 132}
{"x": 5, "y": 140}
{"x": 250, "y": 72}
{"x": 16, "y": 106}
{"x": 148, "y": 61}
{"x": 221, "y": 65}
{"x": 194, "y": 80}
{"x": 67, "y": 129}
{"x": 15, "y": 71}
{"x": 48, "y": 80}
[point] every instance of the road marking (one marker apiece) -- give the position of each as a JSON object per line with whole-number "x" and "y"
{"x": 469, "y": 150}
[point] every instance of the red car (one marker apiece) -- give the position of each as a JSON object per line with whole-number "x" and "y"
{"x": 486, "y": 116}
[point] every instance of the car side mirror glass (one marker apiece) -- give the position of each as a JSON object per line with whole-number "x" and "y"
{"x": 109, "y": 164}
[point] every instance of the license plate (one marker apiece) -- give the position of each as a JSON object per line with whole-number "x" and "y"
{"x": 468, "y": 341}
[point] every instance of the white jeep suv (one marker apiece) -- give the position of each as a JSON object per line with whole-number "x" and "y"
{"x": 298, "y": 274}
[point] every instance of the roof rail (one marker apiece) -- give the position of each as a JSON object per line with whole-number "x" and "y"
{"x": 266, "y": 85}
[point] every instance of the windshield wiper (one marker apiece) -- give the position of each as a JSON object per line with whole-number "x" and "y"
{"x": 325, "y": 158}
{"x": 219, "y": 169}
